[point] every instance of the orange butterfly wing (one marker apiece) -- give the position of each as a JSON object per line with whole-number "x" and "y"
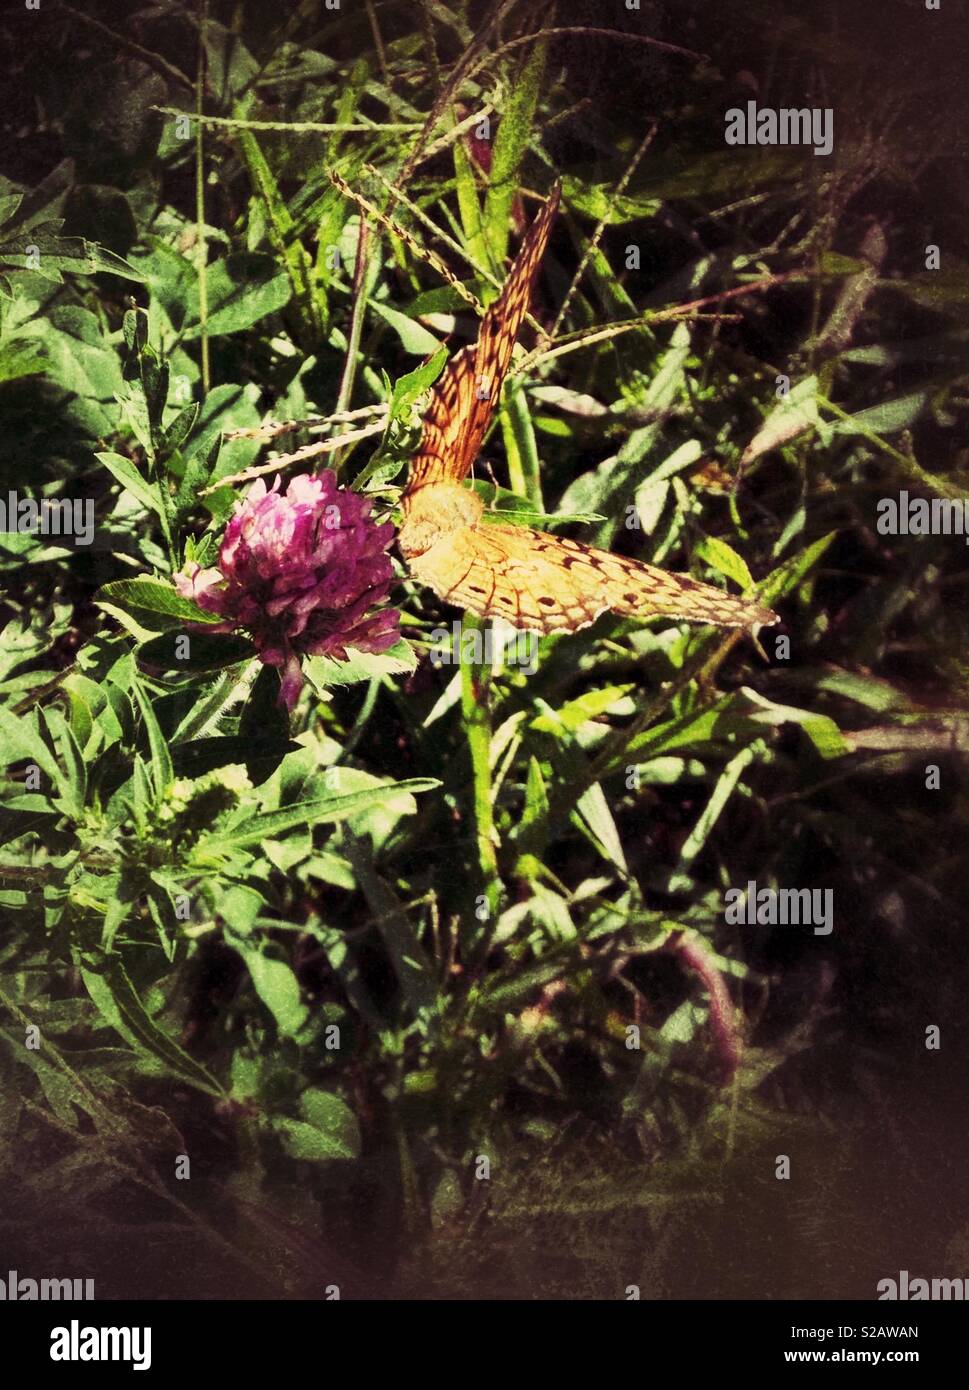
{"x": 466, "y": 394}
{"x": 544, "y": 583}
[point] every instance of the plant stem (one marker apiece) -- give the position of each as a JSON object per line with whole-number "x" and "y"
{"x": 475, "y": 681}
{"x": 356, "y": 330}
{"x": 200, "y": 206}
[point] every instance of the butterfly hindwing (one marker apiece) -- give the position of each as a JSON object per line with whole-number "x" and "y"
{"x": 545, "y": 584}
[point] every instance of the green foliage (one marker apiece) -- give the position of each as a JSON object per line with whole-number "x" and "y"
{"x": 415, "y": 924}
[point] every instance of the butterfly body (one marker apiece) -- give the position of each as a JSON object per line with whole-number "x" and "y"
{"x": 535, "y": 581}
{"x": 434, "y": 513}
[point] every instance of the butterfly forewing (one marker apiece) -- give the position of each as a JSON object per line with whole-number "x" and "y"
{"x": 466, "y": 394}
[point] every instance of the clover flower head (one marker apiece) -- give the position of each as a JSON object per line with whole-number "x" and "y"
{"x": 301, "y": 572}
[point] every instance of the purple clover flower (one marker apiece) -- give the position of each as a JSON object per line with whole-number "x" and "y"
{"x": 300, "y": 572}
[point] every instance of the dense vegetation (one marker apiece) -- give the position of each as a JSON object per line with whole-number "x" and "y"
{"x": 430, "y": 980}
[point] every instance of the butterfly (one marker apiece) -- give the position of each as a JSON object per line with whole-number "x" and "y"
{"x": 534, "y": 581}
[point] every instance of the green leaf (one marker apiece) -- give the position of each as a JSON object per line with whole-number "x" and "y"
{"x": 154, "y": 384}
{"x": 201, "y": 755}
{"x": 262, "y": 716}
{"x": 468, "y": 204}
{"x": 242, "y": 289}
{"x": 887, "y": 418}
{"x": 324, "y": 811}
{"x": 181, "y": 427}
{"x": 274, "y": 981}
{"x": 74, "y": 254}
{"x": 129, "y": 623}
{"x": 532, "y": 829}
{"x": 593, "y": 808}
{"x": 832, "y": 263}
{"x": 152, "y": 603}
{"x": 128, "y": 476}
{"x": 942, "y": 290}
{"x": 134, "y": 328}
{"x": 161, "y": 758}
{"x": 232, "y": 69}
{"x": 199, "y": 469}
{"x": 120, "y": 1005}
{"x": 20, "y": 741}
{"x": 822, "y": 731}
{"x": 121, "y": 897}
{"x": 239, "y": 907}
{"x": 84, "y": 363}
{"x": 324, "y": 671}
{"x": 521, "y": 447}
{"x": 572, "y": 715}
{"x": 20, "y": 359}
{"x": 600, "y": 202}
{"x": 788, "y": 576}
{"x": 500, "y": 995}
{"x": 504, "y": 506}
{"x": 312, "y": 1145}
{"x": 205, "y": 714}
{"x": 9, "y": 203}
{"x": 734, "y": 172}
{"x": 143, "y": 796}
{"x": 696, "y": 729}
{"x": 511, "y": 142}
{"x": 309, "y": 295}
{"x": 82, "y": 715}
{"x": 869, "y": 691}
{"x": 681, "y": 881}
{"x": 333, "y": 1118}
{"x": 207, "y": 651}
{"x": 407, "y": 388}
{"x": 726, "y": 561}
{"x": 414, "y": 338}
{"x": 73, "y": 784}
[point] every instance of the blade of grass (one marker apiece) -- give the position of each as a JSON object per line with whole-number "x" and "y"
{"x": 518, "y": 432}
